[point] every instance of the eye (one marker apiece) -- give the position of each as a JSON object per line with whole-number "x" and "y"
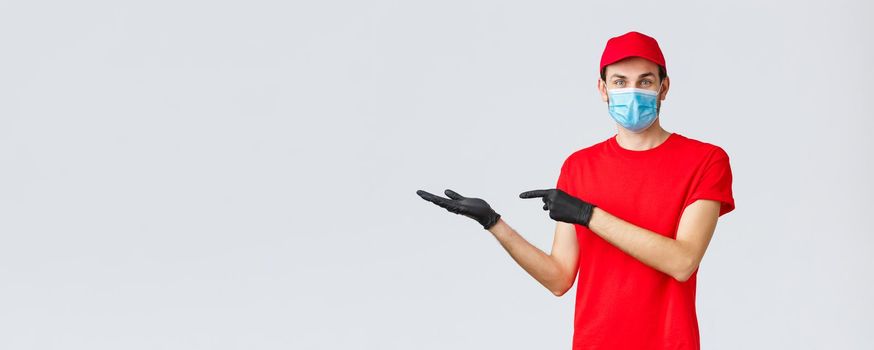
{"x": 618, "y": 82}
{"x": 645, "y": 82}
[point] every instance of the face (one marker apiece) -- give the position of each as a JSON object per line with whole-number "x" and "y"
{"x": 633, "y": 72}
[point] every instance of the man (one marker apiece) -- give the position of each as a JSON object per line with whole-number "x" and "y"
{"x": 634, "y": 214}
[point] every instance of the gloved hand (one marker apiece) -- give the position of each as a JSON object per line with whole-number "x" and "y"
{"x": 473, "y": 208}
{"x": 562, "y": 206}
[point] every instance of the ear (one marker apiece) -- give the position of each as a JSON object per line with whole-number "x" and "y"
{"x": 666, "y": 86}
{"x": 602, "y": 88}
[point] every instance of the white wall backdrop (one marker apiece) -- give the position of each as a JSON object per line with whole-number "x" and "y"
{"x": 242, "y": 174}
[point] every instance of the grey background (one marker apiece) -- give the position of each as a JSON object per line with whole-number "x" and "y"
{"x": 242, "y": 175}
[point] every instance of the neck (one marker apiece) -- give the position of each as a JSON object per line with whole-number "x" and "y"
{"x": 648, "y": 139}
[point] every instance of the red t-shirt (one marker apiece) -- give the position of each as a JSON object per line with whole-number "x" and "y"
{"x": 623, "y": 303}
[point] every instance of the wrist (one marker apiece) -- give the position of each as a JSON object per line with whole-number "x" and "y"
{"x": 586, "y": 213}
{"x": 498, "y": 227}
{"x": 596, "y": 217}
{"x": 491, "y": 221}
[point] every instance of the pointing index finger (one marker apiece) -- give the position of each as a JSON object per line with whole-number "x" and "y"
{"x": 533, "y": 194}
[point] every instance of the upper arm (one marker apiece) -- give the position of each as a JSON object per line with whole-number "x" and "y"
{"x": 565, "y": 250}
{"x": 696, "y": 228}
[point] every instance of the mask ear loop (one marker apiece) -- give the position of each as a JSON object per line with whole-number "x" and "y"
{"x": 658, "y": 99}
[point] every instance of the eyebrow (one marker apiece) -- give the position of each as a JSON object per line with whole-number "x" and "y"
{"x": 614, "y": 75}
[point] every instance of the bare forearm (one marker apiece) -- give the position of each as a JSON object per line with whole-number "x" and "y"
{"x": 659, "y": 252}
{"x": 536, "y": 262}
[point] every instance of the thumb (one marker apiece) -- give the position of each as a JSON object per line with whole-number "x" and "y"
{"x": 452, "y": 194}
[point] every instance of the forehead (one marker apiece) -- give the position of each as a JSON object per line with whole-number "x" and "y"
{"x": 632, "y": 67}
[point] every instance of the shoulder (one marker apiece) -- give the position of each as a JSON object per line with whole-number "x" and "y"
{"x": 700, "y": 148}
{"x": 580, "y": 156}
{"x": 586, "y": 152}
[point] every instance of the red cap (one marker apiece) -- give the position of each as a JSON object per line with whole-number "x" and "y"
{"x": 632, "y": 44}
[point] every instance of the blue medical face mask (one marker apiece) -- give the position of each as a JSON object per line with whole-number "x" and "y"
{"x": 635, "y": 109}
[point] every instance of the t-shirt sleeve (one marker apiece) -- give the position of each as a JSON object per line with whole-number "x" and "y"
{"x": 714, "y": 182}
